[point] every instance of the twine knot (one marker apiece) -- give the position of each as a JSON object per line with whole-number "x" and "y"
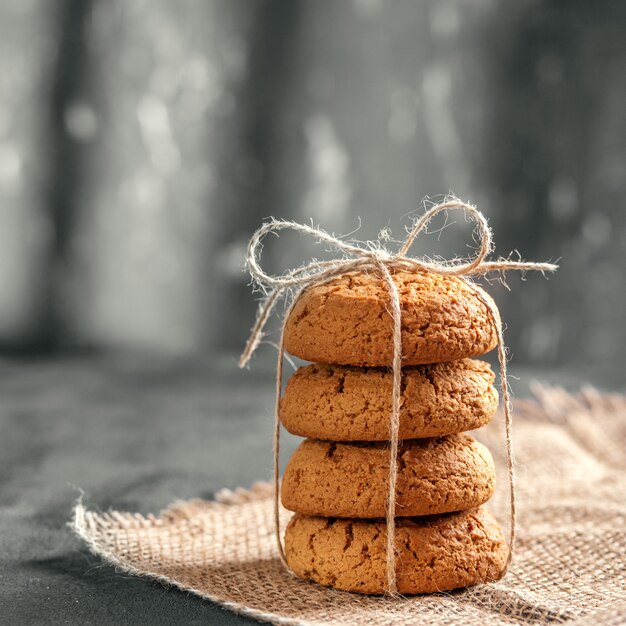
{"x": 381, "y": 255}
{"x": 369, "y": 256}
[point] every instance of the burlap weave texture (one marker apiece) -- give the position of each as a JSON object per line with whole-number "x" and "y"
{"x": 570, "y": 565}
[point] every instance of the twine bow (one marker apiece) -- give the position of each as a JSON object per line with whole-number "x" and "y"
{"x": 377, "y": 259}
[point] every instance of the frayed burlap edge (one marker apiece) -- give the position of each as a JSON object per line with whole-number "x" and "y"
{"x": 83, "y": 525}
{"x": 567, "y": 412}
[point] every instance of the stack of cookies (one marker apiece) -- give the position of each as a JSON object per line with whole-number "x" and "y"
{"x": 336, "y": 482}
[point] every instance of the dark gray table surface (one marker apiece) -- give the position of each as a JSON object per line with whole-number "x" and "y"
{"x": 135, "y": 434}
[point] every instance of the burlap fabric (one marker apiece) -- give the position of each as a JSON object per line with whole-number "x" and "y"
{"x": 570, "y": 565}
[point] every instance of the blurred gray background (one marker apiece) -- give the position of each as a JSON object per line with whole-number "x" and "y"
{"x": 141, "y": 143}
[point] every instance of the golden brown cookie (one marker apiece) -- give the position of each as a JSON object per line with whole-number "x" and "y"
{"x": 342, "y": 403}
{"x": 350, "y": 479}
{"x": 347, "y": 321}
{"x": 438, "y": 553}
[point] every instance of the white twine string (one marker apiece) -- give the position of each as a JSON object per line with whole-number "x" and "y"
{"x": 380, "y": 260}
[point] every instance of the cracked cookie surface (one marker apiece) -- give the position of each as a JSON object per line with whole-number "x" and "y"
{"x": 343, "y": 403}
{"x": 347, "y": 321}
{"x": 438, "y": 553}
{"x": 436, "y": 475}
